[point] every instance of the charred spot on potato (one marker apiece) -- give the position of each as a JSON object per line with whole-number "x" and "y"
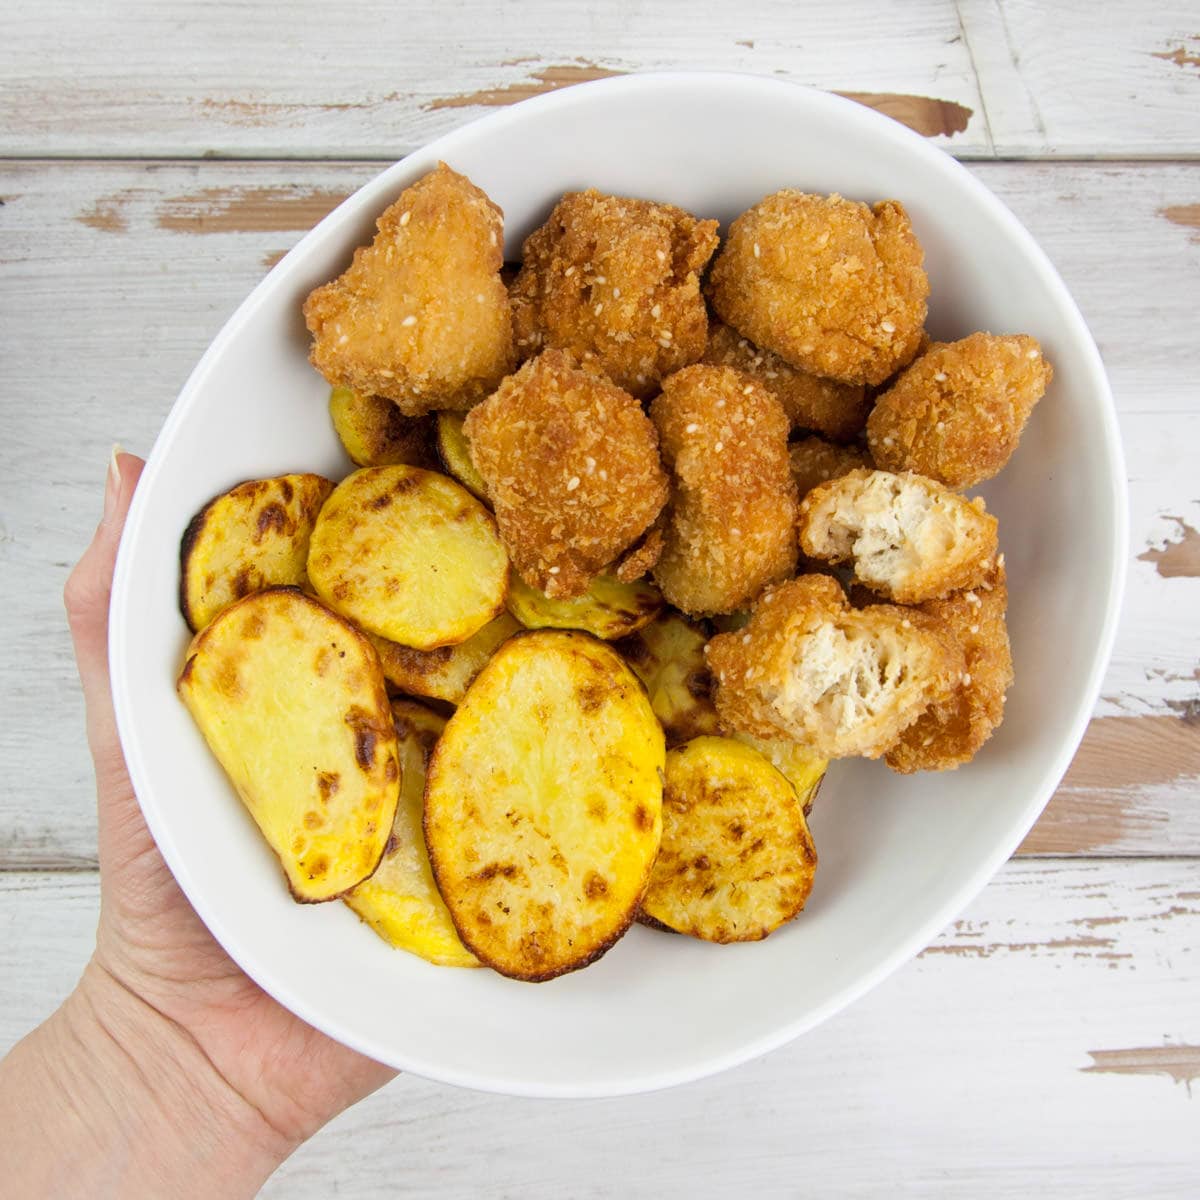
{"x": 327, "y": 784}
{"x": 699, "y": 684}
{"x": 253, "y": 626}
{"x": 227, "y": 679}
{"x": 286, "y": 490}
{"x": 318, "y": 867}
{"x": 243, "y": 583}
{"x": 595, "y": 886}
{"x": 391, "y": 770}
{"x": 380, "y": 501}
{"x": 643, "y": 819}
{"x": 592, "y": 695}
{"x": 271, "y": 518}
{"x": 313, "y": 820}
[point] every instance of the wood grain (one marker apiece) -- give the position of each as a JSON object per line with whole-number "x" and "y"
{"x": 114, "y": 277}
{"x": 1045, "y": 1037}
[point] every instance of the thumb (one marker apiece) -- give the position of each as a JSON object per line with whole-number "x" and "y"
{"x": 86, "y": 595}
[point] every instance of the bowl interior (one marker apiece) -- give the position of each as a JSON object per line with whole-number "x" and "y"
{"x": 898, "y": 855}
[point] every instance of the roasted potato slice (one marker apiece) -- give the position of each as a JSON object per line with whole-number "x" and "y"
{"x": 375, "y": 433}
{"x": 609, "y": 609}
{"x": 409, "y": 555}
{"x": 543, "y": 804}
{"x": 400, "y": 901}
{"x": 736, "y": 860}
{"x": 447, "y": 672}
{"x": 455, "y": 452}
{"x": 667, "y": 655}
{"x": 252, "y": 537}
{"x": 290, "y": 699}
{"x": 800, "y": 766}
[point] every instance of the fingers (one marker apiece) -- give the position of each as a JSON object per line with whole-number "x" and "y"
{"x": 86, "y": 596}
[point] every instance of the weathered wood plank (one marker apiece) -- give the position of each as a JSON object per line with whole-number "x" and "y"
{"x": 113, "y": 278}
{"x": 1053, "y": 1033}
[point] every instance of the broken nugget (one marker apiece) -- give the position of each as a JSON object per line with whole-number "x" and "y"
{"x": 421, "y": 316}
{"x": 957, "y": 413}
{"x": 617, "y": 281}
{"x": 832, "y": 286}
{"x": 571, "y": 465}
{"x": 729, "y": 528}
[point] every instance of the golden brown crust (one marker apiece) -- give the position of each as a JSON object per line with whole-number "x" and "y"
{"x": 421, "y": 315}
{"x": 617, "y": 281}
{"x": 957, "y": 413}
{"x": 832, "y": 286}
{"x": 813, "y": 461}
{"x": 907, "y": 537}
{"x": 843, "y": 682}
{"x": 729, "y": 527}
{"x": 641, "y": 557}
{"x": 571, "y": 466}
{"x": 951, "y": 731}
{"x": 837, "y": 410}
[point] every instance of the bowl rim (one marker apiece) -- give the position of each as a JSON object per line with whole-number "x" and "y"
{"x": 650, "y": 83}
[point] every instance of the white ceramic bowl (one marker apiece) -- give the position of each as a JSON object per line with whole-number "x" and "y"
{"x": 900, "y": 856}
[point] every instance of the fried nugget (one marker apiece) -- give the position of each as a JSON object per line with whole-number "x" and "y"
{"x": 844, "y": 682}
{"x": 572, "y": 468}
{"x": 957, "y": 413}
{"x": 813, "y": 460}
{"x": 837, "y": 410}
{"x": 730, "y": 525}
{"x": 421, "y": 315}
{"x": 951, "y": 731}
{"x": 616, "y": 281}
{"x": 830, "y": 285}
{"x": 907, "y": 537}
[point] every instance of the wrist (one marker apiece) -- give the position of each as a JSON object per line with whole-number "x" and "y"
{"x": 118, "y": 1100}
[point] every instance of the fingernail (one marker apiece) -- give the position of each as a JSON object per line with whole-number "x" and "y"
{"x": 112, "y": 484}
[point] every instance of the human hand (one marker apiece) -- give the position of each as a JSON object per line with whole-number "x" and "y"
{"x": 172, "y": 1016}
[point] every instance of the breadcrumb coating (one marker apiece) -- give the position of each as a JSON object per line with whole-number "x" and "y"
{"x": 813, "y": 460}
{"x": 842, "y": 681}
{"x": 957, "y": 413}
{"x": 908, "y": 538}
{"x": 616, "y": 280}
{"x": 572, "y": 468}
{"x": 730, "y": 527}
{"x": 837, "y": 410}
{"x": 951, "y": 732}
{"x": 421, "y": 315}
{"x": 640, "y": 558}
{"x": 833, "y": 287}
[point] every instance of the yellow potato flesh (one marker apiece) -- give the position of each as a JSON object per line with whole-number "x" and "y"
{"x": 375, "y": 433}
{"x": 543, "y": 804}
{"x": 609, "y": 609}
{"x": 455, "y": 452}
{"x": 291, "y": 701}
{"x": 400, "y": 901}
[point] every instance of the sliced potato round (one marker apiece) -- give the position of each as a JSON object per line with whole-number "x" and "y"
{"x": 543, "y": 804}
{"x": 291, "y": 701}
{"x": 447, "y": 672}
{"x": 252, "y": 537}
{"x": 667, "y": 655}
{"x": 609, "y": 609}
{"x": 803, "y": 769}
{"x": 375, "y": 433}
{"x": 400, "y": 901}
{"x": 455, "y": 452}
{"x": 409, "y": 555}
{"x": 736, "y": 860}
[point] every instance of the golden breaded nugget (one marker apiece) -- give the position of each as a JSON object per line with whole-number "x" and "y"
{"x": 729, "y": 527}
{"x": 640, "y": 558}
{"x": 832, "y": 286}
{"x": 842, "y": 681}
{"x": 421, "y": 315}
{"x": 837, "y": 410}
{"x": 375, "y": 433}
{"x": 957, "y": 413}
{"x": 618, "y": 281}
{"x": 908, "y": 538}
{"x": 571, "y": 466}
{"x": 813, "y": 460}
{"x": 951, "y": 732}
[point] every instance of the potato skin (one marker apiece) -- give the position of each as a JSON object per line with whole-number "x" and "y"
{"x": 249, "y": 538}
{"x": 543, "y": 805}
{"x": 375, "y": 433}
{"x": 319, "y": 772}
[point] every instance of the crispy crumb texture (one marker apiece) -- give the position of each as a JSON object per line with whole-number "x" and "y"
{"x": 957, "y": 413}
{"x": 730, "y": 525}
{"x": 837, "y": 410}
{"x": 834, "y": 287}
{"x": 617, "y": 281}
{"x": 571, "y": 465}
{"x": 813, "y": 460}
{"x": 842, "y": 681}
{"x": 421, "y": 316}
{"x": 907, "y": 537}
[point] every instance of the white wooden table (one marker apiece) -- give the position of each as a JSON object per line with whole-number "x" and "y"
{"x": 157, "y": 158}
